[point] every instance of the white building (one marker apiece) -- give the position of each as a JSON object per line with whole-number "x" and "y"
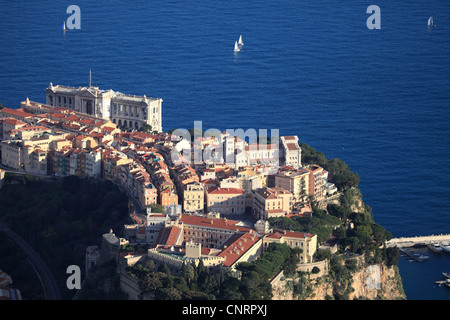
{"x": 125, "y": 110}
{"x": 291, "y": 151}
{"x": 94, "y": 163}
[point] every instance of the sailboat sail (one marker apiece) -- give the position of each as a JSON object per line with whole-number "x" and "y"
{"x": 430, "y": 22}
{"x": 236, "y": 47}
{"x": 241, "y": 43}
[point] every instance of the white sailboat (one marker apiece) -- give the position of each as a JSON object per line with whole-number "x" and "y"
{"x": 236, "y": 47}
{"x": 431, "y": 22}
{"x": 240, "y": 42}
{"x": 63, "y": 27}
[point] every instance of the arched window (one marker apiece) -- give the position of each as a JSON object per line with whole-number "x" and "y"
{"x": 89, "y": 107}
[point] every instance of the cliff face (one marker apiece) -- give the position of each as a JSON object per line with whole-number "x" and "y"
{"x": 377, "y": 282}
{"x": 373, "y": 282}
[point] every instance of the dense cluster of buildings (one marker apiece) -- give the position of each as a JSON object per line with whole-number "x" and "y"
{"x": 89, "y": 132}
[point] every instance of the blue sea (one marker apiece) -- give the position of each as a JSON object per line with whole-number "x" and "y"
{"x": 378, "y": 99}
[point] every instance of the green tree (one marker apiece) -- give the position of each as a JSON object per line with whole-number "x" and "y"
{"x": 152, "y": 281}
{"x": 146, "y": 128}
{"x": 190, "y": 273}
{"x": 168, "y": 294}
{"x": 164, "y": 269}
{"x": 392, "y": 256}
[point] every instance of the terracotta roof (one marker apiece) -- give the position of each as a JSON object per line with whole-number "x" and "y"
{"x": 212, "y": 223}
{"x": 168, "y": 236}
{"x": 17, "y": 112}
{"x": 225, "y": 191}
{"x": 277, "y": 234}
{"x": 271, "y": 193}
{"x": 291, "y": 146}
{"x": 13, "y": 121}
{"x": 260, "y": 147}
{"x": 236, "y": 246}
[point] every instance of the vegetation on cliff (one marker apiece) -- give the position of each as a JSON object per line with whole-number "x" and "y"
{"x": 59, "y": 218}
{"x": 349, "y": 223}
{"x": 195, "y": 281}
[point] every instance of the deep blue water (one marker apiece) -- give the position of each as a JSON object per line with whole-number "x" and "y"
{"x": 378, "y": 99}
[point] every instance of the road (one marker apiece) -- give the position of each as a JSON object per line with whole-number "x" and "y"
{"x": 48, "y": 282}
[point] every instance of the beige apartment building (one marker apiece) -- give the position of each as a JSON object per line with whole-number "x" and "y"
{"x": 111, "y": 162}
{"x": 9, "y": 124}
{"x": 316, "y": 181}
{"x": 27, "y": 155}
{"x": 295, "y": 181}
{"x": 209, "y": 230}
{"x": 193, "y": 198}
{"x": 307, "y": 242}
{"x": 271, "y": 202}
{"x": 226, "y": 201}
{"x": 12, "y": 154}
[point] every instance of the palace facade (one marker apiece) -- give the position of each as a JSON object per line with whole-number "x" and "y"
{"x": 125, "y": 110}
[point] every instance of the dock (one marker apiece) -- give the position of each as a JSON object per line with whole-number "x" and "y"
{"x": 406, "y": 242}
{"x": 417, "y": 257}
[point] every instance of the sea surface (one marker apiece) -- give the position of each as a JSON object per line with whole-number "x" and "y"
{"x": 378, "y": 99}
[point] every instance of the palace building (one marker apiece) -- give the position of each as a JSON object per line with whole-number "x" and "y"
{"x": 125, "y": 110}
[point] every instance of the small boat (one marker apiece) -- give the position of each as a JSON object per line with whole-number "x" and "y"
{"x": 433, "y": 246}
{"x": 240, "y": 42}
{"x": 445, "y": 247}
{"x": 431, "y": 22}
{"x": 441, "y": 282}
{"x": 422, "y": 257}
{"x": 447, "y": 283}
{"x": 63, "y": 27}
{"x": 236, "y": 47}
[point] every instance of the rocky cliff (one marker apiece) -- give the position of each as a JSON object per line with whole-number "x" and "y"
{"x": 372, "y": 282}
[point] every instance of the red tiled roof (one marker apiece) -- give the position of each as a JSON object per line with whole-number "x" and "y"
{"x": 277, "y": 234}
{"x": 225, "y": 191}
{"x": 17, "y": 112}
{"x": 291, "y": 146}
{"x": 168, "y": 236}
{"x": 236, "y": 246}
{"x": 212, "y": 223}
{"x": 13, "y": 121}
